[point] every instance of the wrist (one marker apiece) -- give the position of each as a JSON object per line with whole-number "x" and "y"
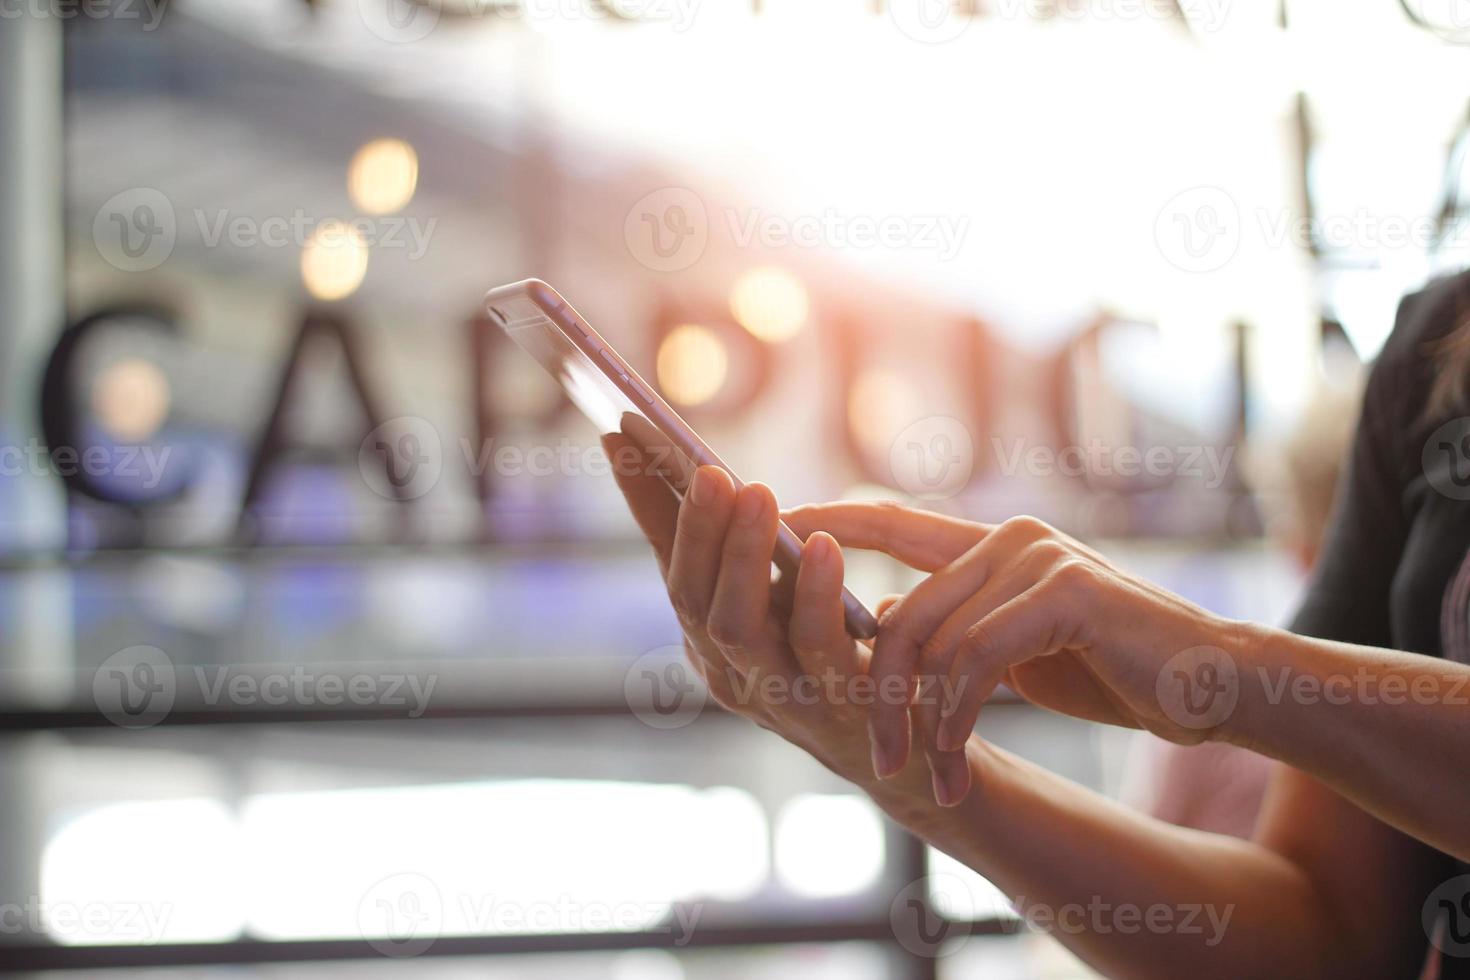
{"x": 1245, "y": 643}
{"x": 908, "y": 797}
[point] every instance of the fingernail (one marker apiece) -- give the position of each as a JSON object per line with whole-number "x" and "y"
{"x": 749, "y": 505}
{"x": 949, "y": 739}
{"x": 702, "y": 490}
{"x": 819, "y": 548}
{"x": 886, "y": 763}
{"x": 880, "y": 762}
{"x": 946, "y": 794}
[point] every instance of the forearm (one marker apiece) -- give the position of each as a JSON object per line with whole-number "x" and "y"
{"x": 1131, "y": 895}
{"x": 1387, "y": 730}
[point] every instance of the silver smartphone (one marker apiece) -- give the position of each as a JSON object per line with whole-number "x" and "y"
{"x": 616, "y": 399}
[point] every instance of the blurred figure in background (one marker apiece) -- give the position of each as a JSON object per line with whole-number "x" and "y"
{"x": 1214, "y": 786}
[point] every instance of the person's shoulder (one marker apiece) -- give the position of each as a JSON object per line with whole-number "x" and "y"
{"x": 1403, "y": 375}
{"x": 1425, "y": 317}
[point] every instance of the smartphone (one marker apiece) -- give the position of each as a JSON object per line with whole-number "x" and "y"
{"x": 616, "y": 399}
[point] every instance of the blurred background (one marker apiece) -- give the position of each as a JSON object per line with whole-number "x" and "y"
{"x": 326, "y": 641}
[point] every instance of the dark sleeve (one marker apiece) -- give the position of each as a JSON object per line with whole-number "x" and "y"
{"x": 1349, "y": 597}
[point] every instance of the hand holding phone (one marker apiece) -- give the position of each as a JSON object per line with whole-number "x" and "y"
{"x": 620, "y": 403}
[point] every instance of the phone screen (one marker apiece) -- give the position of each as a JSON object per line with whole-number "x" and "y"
{"x": 589, "y": 387}
{"x": 617, "y": 401}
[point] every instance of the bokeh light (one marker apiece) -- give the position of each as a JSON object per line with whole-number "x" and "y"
{"x": 769, "y": 302}
{"x": 131, "y": 399}
{"x": 334, "y": 262}
{"x": 879, "y": 405}
{"x": 383, "y": 176}
{"x": 692, "y": 364}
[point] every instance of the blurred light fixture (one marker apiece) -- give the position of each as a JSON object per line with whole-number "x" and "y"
{"x": 692, "y": 364}
{"x": 131, "y": 399}
{"x": 829, "y": 845}
{"x": 879, "y": 405}
{"x": 383, "y": 176}
{"x": 334, "y": 261}
{"x": 153, "y": 890}
{"x": 769, "y": 302}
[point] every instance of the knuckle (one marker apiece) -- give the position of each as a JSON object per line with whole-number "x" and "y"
{"x": 980, "y": 643}
{"x": 728, "y": 632}
{"x": 690, "y": 613}
{"x": 1075, "y": 575}
{"x": 806, "y": 641}
{"x": 1026, "y": 527}
{"x": 1050, "y": 551}
{"x": 932, "y": 654}
{"x": 890, "y": 507}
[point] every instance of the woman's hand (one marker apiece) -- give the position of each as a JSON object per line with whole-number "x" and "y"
{"x": 1022, "y": 603}
{"x": 795, "y": 672}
